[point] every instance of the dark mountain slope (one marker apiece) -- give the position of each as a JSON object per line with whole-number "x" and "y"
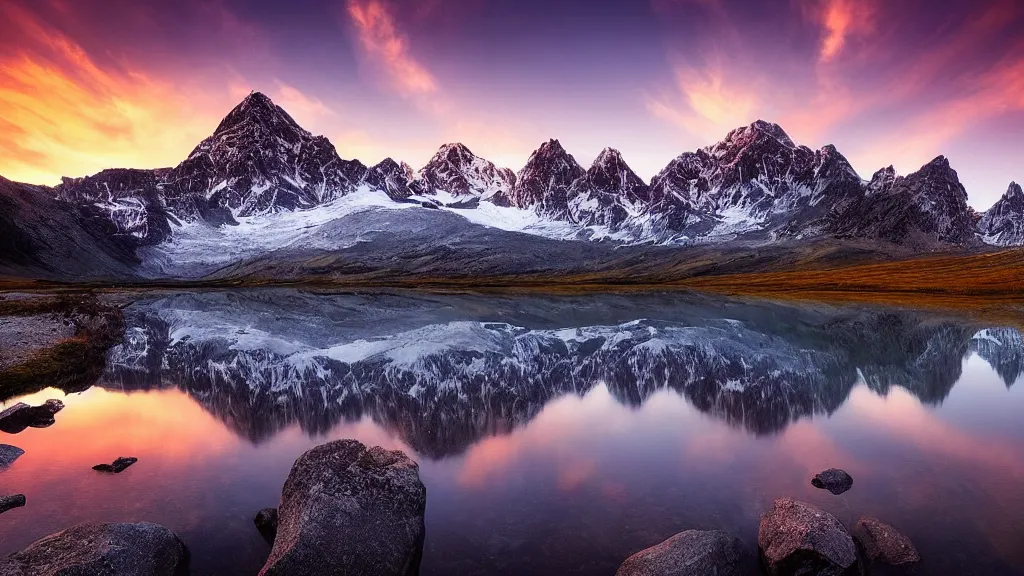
{"x": 42, "y": 237}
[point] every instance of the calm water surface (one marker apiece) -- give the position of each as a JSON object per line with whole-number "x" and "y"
{"x": 554, "y": 435}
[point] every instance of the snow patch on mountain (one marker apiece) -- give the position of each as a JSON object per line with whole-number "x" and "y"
{"x": 196, "y": 248}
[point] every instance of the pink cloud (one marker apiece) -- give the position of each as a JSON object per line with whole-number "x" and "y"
{"x": 841, "y": 20}
{"x": 382, "y": 41}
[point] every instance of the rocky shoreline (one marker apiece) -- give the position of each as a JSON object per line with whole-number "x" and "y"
{"x": 55, "y": 341}
{"x": 349, "y": 509}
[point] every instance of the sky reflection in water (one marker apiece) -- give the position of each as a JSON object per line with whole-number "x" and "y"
{"x": 574, "y": 489}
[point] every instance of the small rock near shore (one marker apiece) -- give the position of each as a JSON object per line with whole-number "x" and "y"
{"x": 142, "y": 549}
{"x": 11, "y": 502}
{"x": 799, "y": 538}
{"x": 834, "y": 480}
{"x": 689, "y": 553}
{"x": 117, "y": 466}
{"x": 20, "y": 416}
{"x": 883, "y": 543}
{"x": 349, "y": 509}
{"x": 266, "y": 523}
{"x": 8, "y": 454}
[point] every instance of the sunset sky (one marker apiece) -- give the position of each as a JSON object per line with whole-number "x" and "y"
{"x": 90, "y": 84}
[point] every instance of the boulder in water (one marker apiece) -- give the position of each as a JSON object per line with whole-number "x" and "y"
{"x": 11, "y": 502}
{"x": 834, "y": 480}
{"x": 142, "y": 549}
{"x": 349, "y": 509}
{"x": 266, "y": 523}
{"x": 689, "y": 553}
{"x": 883, "y": 543}
{"x": 800, "y": 538}
{"x": 117, "y": 466}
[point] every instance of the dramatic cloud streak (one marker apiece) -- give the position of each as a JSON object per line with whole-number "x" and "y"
{"x": 138, "y": 83}
{"x": 382, "y": 40}
{"x": 842, "y": 19}
{"x": 64, "y": 114}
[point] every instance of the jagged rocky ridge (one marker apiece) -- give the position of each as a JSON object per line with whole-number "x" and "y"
{"x": 444, "y": 371}
{"x": 1003, "y": 223}
{"x": 755, "y": 186}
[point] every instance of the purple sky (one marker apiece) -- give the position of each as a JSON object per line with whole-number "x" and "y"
{"x": 87, "y": 85}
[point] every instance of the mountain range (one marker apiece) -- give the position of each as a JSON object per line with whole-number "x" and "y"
{"x": 263, "y": 196}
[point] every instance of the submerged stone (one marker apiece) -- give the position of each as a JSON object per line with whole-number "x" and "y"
{"x": 689, "y": 553}
{"x": 11, "y": 502}
{"x": 883, "y": 543}
{"x": 266, "y": 523}
{"x": 117, "y": 466}
{"x": 834, "y": 480}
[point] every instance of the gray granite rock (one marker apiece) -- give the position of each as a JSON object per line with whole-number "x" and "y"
{"x": 346, "y": 509}
{"x": 8, "y": 454}
{"x": 142, "y": 549}
{"x": 834, "y": 480}
{"x": 689, "y": 553}
{"x": 799, "y": 538}
{"x": 883, "y": 543}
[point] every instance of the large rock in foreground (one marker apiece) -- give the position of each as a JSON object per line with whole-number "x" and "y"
{"x": 883, "y": 543}
{"x": 799, "y": 538}
{"x": 689, "y": 553}
{"x": 141, "y": 549}
{"x": 346, "y": 509}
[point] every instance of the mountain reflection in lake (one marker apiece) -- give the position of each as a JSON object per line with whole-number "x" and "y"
{"x": 556, "y": 435}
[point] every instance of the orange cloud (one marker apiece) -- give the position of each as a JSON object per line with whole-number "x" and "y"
{"x": 382, "y": 41}
{"x": 65, "y": 115}
{"x": 840, "y": 20}
{"x": 712, "y": 103}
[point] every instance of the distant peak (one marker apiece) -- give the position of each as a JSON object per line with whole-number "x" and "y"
{"x": 939, "y": 162}
{"x": 608, "y": 157}
{"x": 887, "y": 172}
{"x": 255, "y": 102}
{"x": 258, "y": 97}
{"x": 386, "y": 164}
{"x": 744, "y": 136}
{"x": 773, "y": 130}
{"x": 1014, "y": 190}
{"x": 457, "y": 148}
{"x": 552, "y": 146}
{"x": 256, "y": 107}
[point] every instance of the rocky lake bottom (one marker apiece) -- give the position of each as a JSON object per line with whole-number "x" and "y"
{"x": 554, "y": 434}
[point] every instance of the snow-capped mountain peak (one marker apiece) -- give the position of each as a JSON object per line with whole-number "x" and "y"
{"x": 543, "y": 183}
{"x": 456, "y": 170}
{"x": 260, "y": 160}
{"x": 254, "y": 118}
{"x": 1003, "y": 223}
